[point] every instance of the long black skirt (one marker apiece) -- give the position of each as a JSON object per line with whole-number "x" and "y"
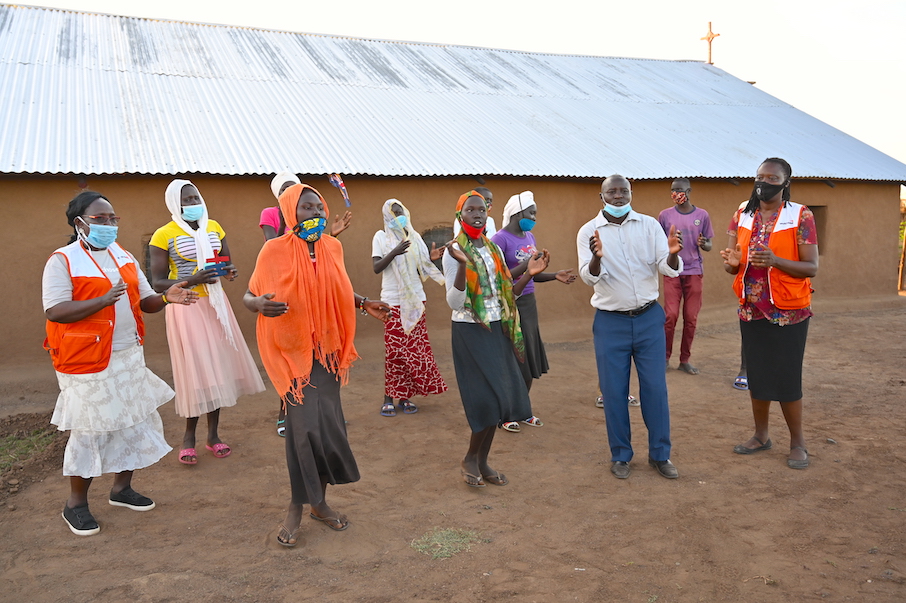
{"x": 774, "y": 358}
{"x": 316, "y": 444}
{"x": 487, "y": 373}
{"x": 535, "y": 363}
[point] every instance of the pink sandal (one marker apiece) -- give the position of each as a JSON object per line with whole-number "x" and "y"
{"x": 218, "y": 450}
{"x": 188, "y": 452}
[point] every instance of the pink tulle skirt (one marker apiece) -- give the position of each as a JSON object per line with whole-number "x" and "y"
{"x": 208, "y": 372}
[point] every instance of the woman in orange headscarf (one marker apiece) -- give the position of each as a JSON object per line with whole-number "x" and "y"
{"x": 306, "y": 327}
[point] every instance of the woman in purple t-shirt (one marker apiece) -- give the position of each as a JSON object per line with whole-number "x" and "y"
{"x": 518, "y": 246}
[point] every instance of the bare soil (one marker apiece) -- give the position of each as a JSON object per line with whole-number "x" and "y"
{"x": 732, "y": 528}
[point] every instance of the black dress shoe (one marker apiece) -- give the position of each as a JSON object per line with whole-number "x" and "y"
{"x": 665, "y": 468}
{"x": 620, "y": 469}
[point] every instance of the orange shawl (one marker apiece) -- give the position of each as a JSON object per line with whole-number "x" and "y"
{"x": 321, "y": 319}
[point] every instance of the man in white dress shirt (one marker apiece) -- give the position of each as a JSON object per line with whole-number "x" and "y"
{"x": 620, "y": 255}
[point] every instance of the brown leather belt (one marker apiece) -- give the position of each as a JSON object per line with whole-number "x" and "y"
{"x": 637, "y": 312}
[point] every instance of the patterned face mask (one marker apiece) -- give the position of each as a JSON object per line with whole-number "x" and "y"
{"x": 310, "y": 230}
{"x": 678, "y": 197}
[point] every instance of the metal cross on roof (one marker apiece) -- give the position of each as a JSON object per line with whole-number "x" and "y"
{"x": 710, "y": 38}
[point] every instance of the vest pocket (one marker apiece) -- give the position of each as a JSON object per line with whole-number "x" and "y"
{"x": 86, "y": 350}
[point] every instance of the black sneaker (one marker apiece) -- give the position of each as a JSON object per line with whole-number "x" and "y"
{"x": 80, "y": 521}
{"x": 131, "y": 499}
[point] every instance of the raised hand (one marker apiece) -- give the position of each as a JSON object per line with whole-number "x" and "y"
{"x": 456, "y": 253}
{"x": 674, "y": 240}
{"x": 435, "y": 253}
{"x": 762, "y": 257}
{"x": 538, "y": 262}
{"x": 565, "y": 276}
{"x": 594, "y": 243}
{"x": 202, "y": 277}
{"x": 402, "y": 248}
{"x": 340, "y": 223}
{"x": 115, "y": 292}
{"x": 732, "y": 257}
{"x": 179, "y": 294}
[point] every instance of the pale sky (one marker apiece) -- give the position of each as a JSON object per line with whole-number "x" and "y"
{"x": 843, "y": 62}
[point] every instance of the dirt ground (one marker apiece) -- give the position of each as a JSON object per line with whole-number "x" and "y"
{"x": 732, "y": 528}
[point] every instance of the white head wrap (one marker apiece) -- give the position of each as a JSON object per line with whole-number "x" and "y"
{"x": 516, "y": 204}
{"x": 281, "y": 179}
{"x": 409, "y": 267}
{"x": 203, "y": 251}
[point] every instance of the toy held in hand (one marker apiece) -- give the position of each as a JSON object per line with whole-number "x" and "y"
{"x": 219, "y": 263}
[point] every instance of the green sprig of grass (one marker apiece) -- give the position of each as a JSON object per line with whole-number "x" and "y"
{"x": 442, "y": 543}
{"x": 18, "y": 448}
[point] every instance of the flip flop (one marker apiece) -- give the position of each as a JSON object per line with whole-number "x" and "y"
{"x": 511, "y": 426}
{"x": 218, "y": 450}
{"x": 388, "y": 410}
{"x": 188, "y": 452}
{"x": 741, "y": 449}
{"x": 633, "y": 401}
{"x": 742, "y": 382}
{"x": 291, "y": 540}
{"x": 496, "y": 480}
{"x": 342, "y": 523}
{"x": 281, "y": 428}
{"x": 469, "y": 479}
{"x": 798, "y": 464}
{"x": 534, "y": 421}
{"x": 408, "y": 407}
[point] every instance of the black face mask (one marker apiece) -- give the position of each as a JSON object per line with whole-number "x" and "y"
{"x": 765, "y": 192}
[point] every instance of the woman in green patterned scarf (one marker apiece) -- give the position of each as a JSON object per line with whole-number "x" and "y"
{"x": 485, "y": 334}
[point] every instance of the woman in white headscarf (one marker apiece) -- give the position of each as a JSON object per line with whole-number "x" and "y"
{"x": 517, "y": 243}
{"x": 401, "y": 257}
{"x": 212, "y": 365}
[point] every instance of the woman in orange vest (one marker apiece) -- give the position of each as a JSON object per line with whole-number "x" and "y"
{"x": 94, "y": 293}
{"x": 773, "y": 251}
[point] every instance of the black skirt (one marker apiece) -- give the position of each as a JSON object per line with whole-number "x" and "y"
{"x": 487, "y": 373}
{"x": 535, "y": 363}
{"x": 774, "y": 358}
{"x": 316, "y": 444}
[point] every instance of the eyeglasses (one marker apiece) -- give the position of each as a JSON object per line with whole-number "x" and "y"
{"x": 108, "y": 220}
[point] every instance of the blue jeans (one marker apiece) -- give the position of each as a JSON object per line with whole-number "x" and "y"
{"x": 619, "y": 341}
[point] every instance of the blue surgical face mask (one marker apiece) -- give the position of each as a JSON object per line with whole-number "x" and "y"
{"x": 401, "y": 221}
{"x": 526, "y": 225}
{"x": 617, "y": 211}
{"x": 100, "y": 236}
{"x": 310, "y": 230}
{"x": 192, "y": 213}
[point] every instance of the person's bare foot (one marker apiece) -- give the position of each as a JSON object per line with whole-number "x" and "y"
{"x": 493, "y": 477}
{"x": 687, "y": 368}
{"x": 188, "y": 443}
{"x": 326, "y": 515}
{"x": 287, "y": 534}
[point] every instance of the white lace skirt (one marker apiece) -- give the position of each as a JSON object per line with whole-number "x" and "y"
{"x": 112, "y": 416}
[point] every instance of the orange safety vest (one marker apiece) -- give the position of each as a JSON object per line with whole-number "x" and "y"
{"x": 82, "y": 347}
{"x": 787, "y": 292}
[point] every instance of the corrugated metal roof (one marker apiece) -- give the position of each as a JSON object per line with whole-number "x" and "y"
{"x": 99, "y": 94}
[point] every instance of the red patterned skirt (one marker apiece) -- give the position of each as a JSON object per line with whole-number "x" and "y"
{"x": 409, "y": 366}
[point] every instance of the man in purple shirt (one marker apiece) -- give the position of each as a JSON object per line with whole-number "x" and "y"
{"x": 695, "y": 224}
